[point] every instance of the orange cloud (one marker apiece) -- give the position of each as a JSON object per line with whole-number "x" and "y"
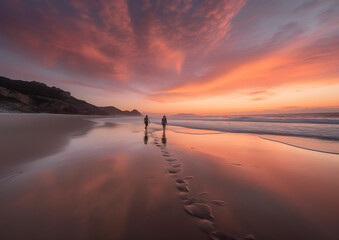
{"x": 289, "y": 65}
{"x": 177, "y": 52}
{"x": 165, "y": 57}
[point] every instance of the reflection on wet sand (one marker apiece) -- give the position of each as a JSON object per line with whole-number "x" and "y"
{"x": 269, "y": 188}
{"x": 26, "y": 137}
{"x": 146, "y": 137}
{"x": 164, "y": 139}
{"x": 109, "y": 185}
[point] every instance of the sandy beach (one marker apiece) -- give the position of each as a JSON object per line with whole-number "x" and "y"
{"x": 81, "y": 177}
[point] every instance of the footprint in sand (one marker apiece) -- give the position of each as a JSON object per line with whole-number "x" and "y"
{"x": 187, "y": 202}
{"x": 182, "y": 187}
{"x": 180, "y": 180}
{"x": 176, "y": 165}
{"x": 171, "y": 159}
{"x": 199, "y": 210}
{"x": 173, "y": 170}
{"x": 183, "y": 195}
{"x": 207, "y": 226}
{"x": 194, "y": 207}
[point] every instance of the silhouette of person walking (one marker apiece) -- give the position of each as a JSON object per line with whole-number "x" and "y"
{"x": 146, "y": 121}
{"x": 164, "y": 122}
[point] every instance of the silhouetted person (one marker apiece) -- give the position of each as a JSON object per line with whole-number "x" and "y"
{"x": 146, "y": 136}
{"x": 146, "y": 121}
{"x": 164, "y": 122}
{"x": 164, "y": 139}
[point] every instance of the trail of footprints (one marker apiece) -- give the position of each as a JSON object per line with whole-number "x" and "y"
{"x": 195, "y": 206}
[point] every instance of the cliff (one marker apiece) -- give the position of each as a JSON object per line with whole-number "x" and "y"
{"x": 36, "y": 97}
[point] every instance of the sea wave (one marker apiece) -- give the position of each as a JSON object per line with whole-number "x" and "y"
{"x": 301, "y": 147}
{"x": 273, "y": 120}
{"x": 310, "y": 130}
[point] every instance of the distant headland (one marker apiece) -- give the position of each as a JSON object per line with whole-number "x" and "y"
{"x": 35, "y": 97}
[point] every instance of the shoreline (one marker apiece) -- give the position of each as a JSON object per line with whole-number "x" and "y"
{"x": 336, "y": 139}
{"x": 326, "y": 145}
{"x": 309, "y": 149}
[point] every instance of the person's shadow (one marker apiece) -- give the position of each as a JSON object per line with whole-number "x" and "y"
{"x": 164, "y": 139}
{"x": 146, "y": 137}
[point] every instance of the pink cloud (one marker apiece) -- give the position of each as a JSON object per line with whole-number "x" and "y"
{"x": 105, "y": 40}
{"x": 174, "y": 50}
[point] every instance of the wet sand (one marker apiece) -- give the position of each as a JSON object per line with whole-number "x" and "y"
{"x": 26, "y": 137}
{"x": 114, "y": 181}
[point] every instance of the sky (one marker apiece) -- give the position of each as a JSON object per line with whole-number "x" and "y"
{"x": 178, "y": 56}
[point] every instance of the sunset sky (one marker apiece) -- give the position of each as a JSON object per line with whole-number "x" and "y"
{"x": 172, "y": 56}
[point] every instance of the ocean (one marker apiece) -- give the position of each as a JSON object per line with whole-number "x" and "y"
{"x": 311, "y": 125}
{"x": 311, "y": 131}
